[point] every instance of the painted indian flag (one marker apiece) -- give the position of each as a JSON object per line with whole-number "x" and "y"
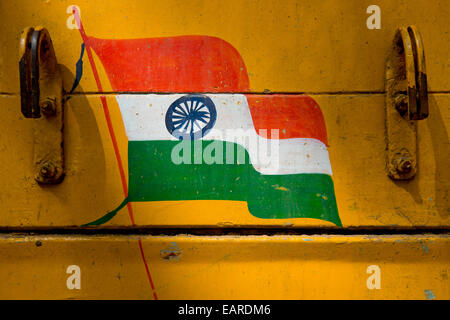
{"x": 195, "y": 133}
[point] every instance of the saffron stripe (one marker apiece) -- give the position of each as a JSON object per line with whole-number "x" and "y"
{"x": 172, "y": 64}
{"x": 295, "y": 116}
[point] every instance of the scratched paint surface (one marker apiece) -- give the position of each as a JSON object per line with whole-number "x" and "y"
{"x": 246, "y": 267}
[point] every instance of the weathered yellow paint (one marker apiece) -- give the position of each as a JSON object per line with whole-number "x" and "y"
{"x": 322, "y": 48}
{"x": 300, "y": 46}
{"x": 238, "y": 267}
{"x": 365, "y": 195}
{"x": 305, "y": 46}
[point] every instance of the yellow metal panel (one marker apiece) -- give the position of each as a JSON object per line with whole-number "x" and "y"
{"x": 365, "y": 195}
{"x": 226, "y": 267}
{"x": 323, "y": 48}
{"x": 305, "y": 46}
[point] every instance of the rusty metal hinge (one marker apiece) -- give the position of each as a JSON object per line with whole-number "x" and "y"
{"x": 406, "y": 102}
{"x": 41, "y": 93}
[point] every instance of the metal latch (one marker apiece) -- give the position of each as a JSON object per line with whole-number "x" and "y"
{"x": 406, "y": 102}
{"x": 41, "y": 94}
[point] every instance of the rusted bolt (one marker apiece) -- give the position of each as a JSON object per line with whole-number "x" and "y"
{"x": 403, "y": 165}
{"x": 48, "y": 170}
{"x": 48, "y": 107}
{"x": 401, "y": 103}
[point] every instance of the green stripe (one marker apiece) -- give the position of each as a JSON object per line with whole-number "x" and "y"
{"x": 154, "y": 177}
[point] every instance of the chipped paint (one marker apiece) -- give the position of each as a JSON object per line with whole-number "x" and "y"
{"x": 429, "y": 294}
{"x": 277, "y": 187}
{"x": 171, "y": 253}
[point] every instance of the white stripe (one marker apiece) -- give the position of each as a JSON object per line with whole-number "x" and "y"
{"x": 144, "y": 120}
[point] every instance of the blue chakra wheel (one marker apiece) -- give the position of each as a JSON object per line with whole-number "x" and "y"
{"x": 191, "y": 117}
